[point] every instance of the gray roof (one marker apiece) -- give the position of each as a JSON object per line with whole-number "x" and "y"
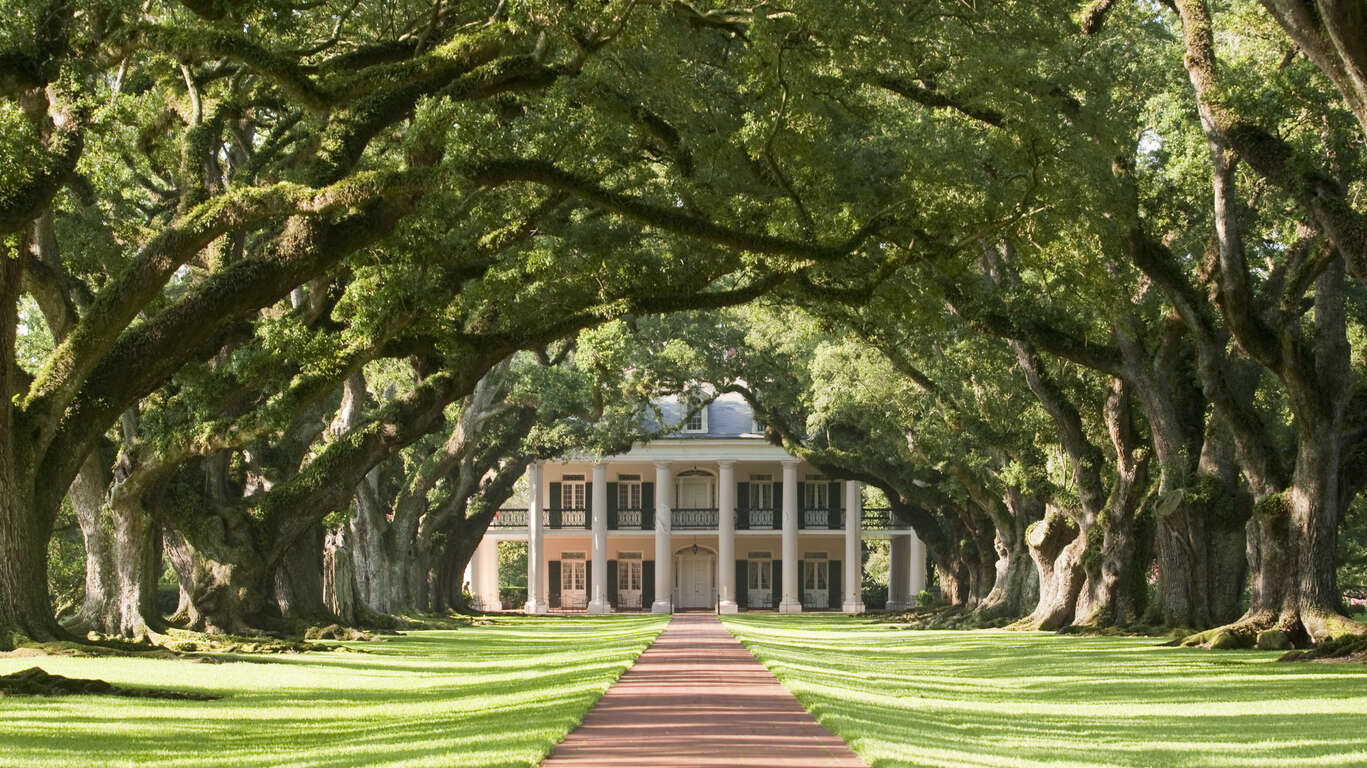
{"x": 727, "y": 416}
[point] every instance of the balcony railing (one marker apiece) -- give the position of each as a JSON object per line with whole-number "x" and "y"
{"x": 509, "y": 518}
{"x": 757, "y": 520}
{"x": 874, "y": 519}
{"x": 882, "y": 519}
{"x": 686, "y": 519}
{"x": 820, "y": 518}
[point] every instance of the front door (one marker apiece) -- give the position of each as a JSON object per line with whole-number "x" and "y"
{"x": 573, "y": 577}
{"x": 814, "y": 587}
{"x": 694, "y": 577}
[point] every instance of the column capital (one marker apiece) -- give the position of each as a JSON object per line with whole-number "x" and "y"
{"x": 790, "y": 460}
{"x": 666, "y": 465}
{"x": 600, "y": 462}
{"x": 726, "y": 463}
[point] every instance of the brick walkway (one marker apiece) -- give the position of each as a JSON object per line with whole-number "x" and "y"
{"x": 698, "y": 698}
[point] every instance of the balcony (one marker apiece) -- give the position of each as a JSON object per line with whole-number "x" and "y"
{"x": 696, "y": 519}
{"x": 687, "y": 519}
{"x": 882, "y": 519}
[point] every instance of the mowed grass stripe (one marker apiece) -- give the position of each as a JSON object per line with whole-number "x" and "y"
{"x": 494, "y": 695}
{"x": 995, "y": 698}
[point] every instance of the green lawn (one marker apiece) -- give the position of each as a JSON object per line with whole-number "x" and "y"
{"x": 999, "y": 698}
{"x": 498, "y": 695}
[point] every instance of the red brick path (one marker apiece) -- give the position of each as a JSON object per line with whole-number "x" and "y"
{"x": 698, "y": 698}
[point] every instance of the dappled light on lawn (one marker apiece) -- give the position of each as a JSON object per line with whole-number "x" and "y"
{"x": 493, "y": 695}
{"x": 1002, "y": 698}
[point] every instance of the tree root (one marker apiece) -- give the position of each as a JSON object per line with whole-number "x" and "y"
{"x": 1272, "y": 632}
{"x": 34, "y": 681}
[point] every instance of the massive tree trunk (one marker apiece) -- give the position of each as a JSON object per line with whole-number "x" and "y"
{"x": 1015, "y": 588}
{"x": 123, "y": 546}
{"x": 1106, "y": 521}
{"x": 339, "y": 580}
{"x": 1056, "y": 547}
{"x": 298, "y": 580}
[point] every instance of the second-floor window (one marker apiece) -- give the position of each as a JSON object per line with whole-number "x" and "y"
{"x": 816, "y": 494}
{"x": 572, "y": 493}
{"x": 761, "y": 491}
{"x": 697, "y": 421}
{"x": 628, "y": 491}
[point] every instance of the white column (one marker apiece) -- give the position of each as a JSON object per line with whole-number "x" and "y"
{"x": 598, "y": 602}
{"x": 854, "y": 555}
{"x": 489, "y": 598}
{"x": 536, "y": 550}
{"x": 664, "y": 553}
{"x": 792, "y": 590}
{"x": 917, "y": 576}
{"x": 726, "y": 537}
{"x": 899, "y": 572}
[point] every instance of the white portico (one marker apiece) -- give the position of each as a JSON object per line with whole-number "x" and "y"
{"x": 713, "y": 517}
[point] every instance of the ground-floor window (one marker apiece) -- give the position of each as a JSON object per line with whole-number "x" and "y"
{"x": 759, "y": 583}
{"x": 629, "y": 581}
{"x": 574, "y": 580}
{"x": 814, "y": 587}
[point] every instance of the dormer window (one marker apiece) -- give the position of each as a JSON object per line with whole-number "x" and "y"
{"x": 697, "y": 421}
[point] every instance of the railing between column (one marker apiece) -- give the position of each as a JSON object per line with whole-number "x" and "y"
{"x": 693, "y": 519}
{"x": 629, "y": 518}
{"x": 759, "y": 519}
{"x": 509, "y": 518}
{"x": 881, "y": 519}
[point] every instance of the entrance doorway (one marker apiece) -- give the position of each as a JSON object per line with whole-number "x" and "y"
{"x": 695, "y": 571}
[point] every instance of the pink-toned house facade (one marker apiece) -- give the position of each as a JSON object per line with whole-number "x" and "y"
{"x": 738, "y": 523}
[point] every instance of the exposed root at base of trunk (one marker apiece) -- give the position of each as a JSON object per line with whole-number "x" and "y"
{"x": 1272, "y": 632}
{"x": 34, "y": 681}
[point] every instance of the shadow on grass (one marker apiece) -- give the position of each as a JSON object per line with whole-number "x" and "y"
{"x": 997, "y": 698}
{"x": 494, "y": 695}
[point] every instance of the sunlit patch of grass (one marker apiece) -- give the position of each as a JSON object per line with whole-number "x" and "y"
{"x": 999, "y": 698}
{"x": 493, "y": 695}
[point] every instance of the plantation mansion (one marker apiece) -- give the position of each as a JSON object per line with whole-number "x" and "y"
{"x": 711, "y": 517}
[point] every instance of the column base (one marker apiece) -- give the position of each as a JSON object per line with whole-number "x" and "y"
{"x": 599, "y": 607}
{"x": 897, "y": 605}
{"x": 790, "y": 606}
{"x": 535, "y": 607}
{"x": 852, "y": 607}
{"x": 662, "y": 606}
{"x": 728, "y": 606}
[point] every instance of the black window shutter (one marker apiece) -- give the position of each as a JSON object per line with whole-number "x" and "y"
{"x": 588, "y": 505}
{"x": 801, "y": 518}
{"x": 778, "y": 503}
{"x": 776, "y": 594}
{"x": 612, "y": 583}
{"x": 647, "y": 506}
{"x": 553, "y": 579}
{"x": 588, "y": 580}
{"x": 742, "y": 506}
{"x": 647, "y": 584}
{"x": 833, "y": 584}
{"x": 612, "y": 506}
{"x": 742, "y": 583}
{"x": 555, "y": 506}
{"x": 802, "y": 583}
{"x": 836, "y": 503}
